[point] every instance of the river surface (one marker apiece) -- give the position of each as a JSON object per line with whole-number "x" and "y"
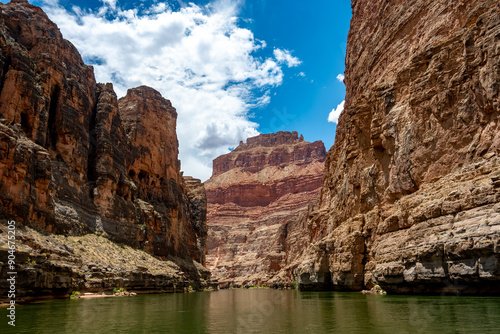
{"x": 260, "y": 311}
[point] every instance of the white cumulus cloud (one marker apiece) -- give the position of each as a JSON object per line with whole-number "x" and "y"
{"x": 285, "y": 57}
{"x": 197, "y": 56}
{"x": 335, "y": 113}
{"x": 340, "y": 77}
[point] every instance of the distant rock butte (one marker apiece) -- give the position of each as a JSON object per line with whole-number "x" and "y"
{"x": 75, "y": 160}
{"x": 266, "y": 150}
{"x": 254, "y": 193}
{"x": 410, "y": 198}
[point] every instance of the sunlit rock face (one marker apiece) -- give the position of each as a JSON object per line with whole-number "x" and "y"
{"x": 410, "y": 198}
{"x": 256, "y": 191}
{"x": 74, "y": 159}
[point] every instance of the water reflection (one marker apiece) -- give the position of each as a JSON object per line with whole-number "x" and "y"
{"x": 261, "y": 311}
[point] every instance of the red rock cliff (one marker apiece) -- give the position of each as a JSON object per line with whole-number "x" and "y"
{"x": 74, "y": 159}
{"x": 253, "y": 169}
{"x": 253, "y": 195}
{"x": 410, "y": 198}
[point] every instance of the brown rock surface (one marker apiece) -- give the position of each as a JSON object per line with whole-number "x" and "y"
{"x": 410, "y": 196}
{"x": 198, "y": 216}
{"x": 268, "y": 181}
{"x": 75, "y": 160}
{"x": 52, "y": 266}
{"x": 47, "y": 93}
{"x": 149, "y": 118}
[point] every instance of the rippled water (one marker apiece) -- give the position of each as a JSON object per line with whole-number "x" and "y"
{"x": 261, "y": 311}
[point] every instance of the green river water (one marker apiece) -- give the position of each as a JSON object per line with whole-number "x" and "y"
{"x": 260, "y": 311}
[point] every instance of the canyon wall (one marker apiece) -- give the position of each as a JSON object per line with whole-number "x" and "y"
{"x": 410, "y": 199}
{"x": 75, "y": 160}
{"x": 254, "y": 194}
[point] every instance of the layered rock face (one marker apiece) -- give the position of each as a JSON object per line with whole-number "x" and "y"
{"x": 255, "y": 192}
{"x": 51, "y": 266}
{"x": 410, "y": 195}
{"x": 197, "y": 209}
{"x": 74, "y": 159}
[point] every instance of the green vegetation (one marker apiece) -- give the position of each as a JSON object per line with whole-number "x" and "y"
{"x": 295, "y": 285}
{"x": 75, "y": 294}
{"x": 120, "y": 290}
{"x": 30, "y": 261}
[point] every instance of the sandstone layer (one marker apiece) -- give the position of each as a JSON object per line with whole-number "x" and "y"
{"x": 75, "y": 160}
{"x": 410, "y": 195}
{"x": 52, "y": 266}
{"x": 255, "y": 192}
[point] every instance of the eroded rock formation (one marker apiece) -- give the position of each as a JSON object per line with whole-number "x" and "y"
{"x": 254, "y": 194}
{"x": 74, "y": 159}
{"x": 51, "y": 266}
{"x": 410, "y": 198}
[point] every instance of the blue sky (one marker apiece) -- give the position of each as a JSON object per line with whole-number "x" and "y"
{"x": 232, "y": 68}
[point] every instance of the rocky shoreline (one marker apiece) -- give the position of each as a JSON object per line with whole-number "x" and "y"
{"x": 53, "y": 266}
